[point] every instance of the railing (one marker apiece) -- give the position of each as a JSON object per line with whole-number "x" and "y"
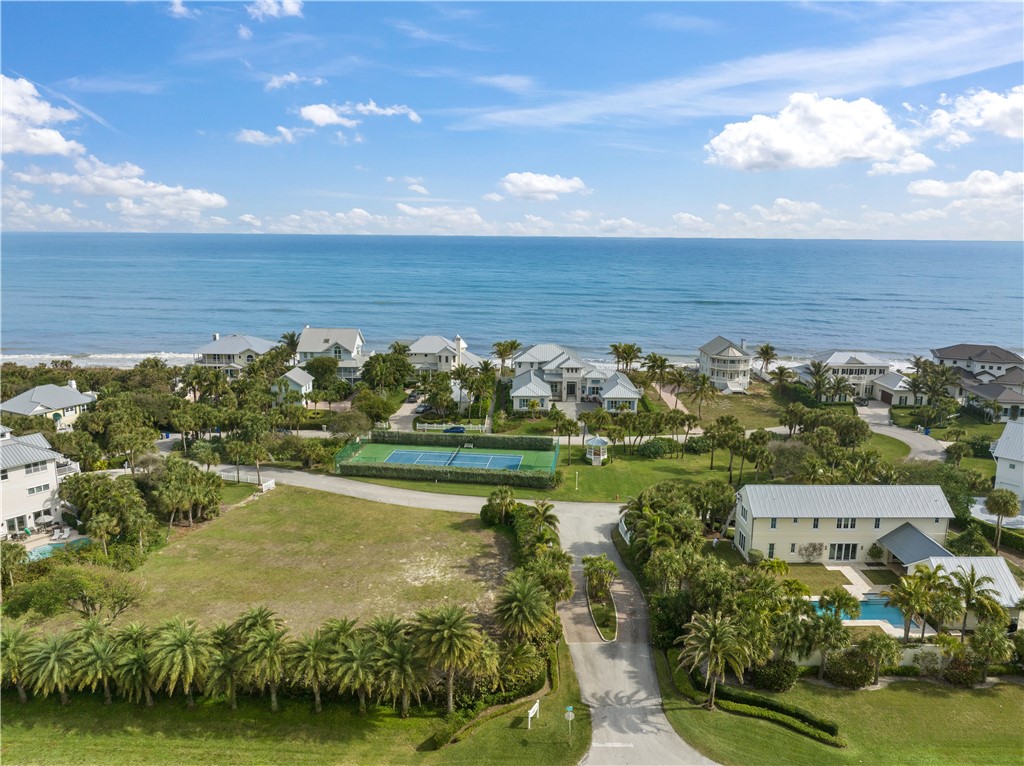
{"x": 66, "y": 469}
{"x": 244, "y": 477}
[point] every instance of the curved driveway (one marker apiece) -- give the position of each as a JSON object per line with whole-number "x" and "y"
{"x": 922, "y": 447}
{"x": 617, "y": 680}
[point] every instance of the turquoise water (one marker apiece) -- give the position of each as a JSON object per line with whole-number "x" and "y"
{"x": 875, "y": 609}
{"x": 45, "y": 551}
{"x": 145, "y": 293}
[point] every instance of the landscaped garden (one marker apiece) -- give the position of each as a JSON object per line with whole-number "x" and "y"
{"x": 907, "y": 417}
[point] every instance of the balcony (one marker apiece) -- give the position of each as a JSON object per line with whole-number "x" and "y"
{"x": 67, "y": 468}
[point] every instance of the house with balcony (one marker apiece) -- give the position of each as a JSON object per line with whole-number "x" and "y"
{"x": 565, "y": 377}
{"x": 435, "y": 353}
{"x": 861, "y": 369}
{"x": 231, "y": 354}
{"x": 30, "y": 472}
{"x": 62, "y": 404}
{"x": 984, "y": 362}
{"x": 1009, "y": 456}
{"x": 344, "y": 345}
{"x": 727, "y": 364}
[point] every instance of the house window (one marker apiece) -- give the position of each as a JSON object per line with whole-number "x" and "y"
{"x": 773, "y": 523}
{"x": 814, "y": 524}
{"x": 846, "y": 523}
{"x": 37, "y": 490}
{"x": 742, "y": 540}
{"x": 771, "y": 550}
{"x": 249, "y": 358}
{"x": 743, "y": 512}
{"x": 3, "y": 474}
{"x": 796, "y": 521}
{"x": 1013, "y": 467}
{"x": 842, "y": 551}
{"x": 337, "y": 352}
{"x": 524, "y": 404}
{"x": 903, "y": 401}
{"x": 35, "y": 467}
{"x": 792, "y": 547}
{"x": 918, "y": 400}
{"x": 878, "y": 523}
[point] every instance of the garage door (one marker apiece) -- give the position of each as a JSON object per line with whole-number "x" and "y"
{"x": 886, "y": 397}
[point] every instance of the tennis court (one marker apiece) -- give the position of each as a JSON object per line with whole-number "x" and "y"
{"x": 457, "y": 459}
{"x": 465, "y": 456}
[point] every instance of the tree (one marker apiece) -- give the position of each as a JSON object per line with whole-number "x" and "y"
{"x": 972, "y": 590}
{"x": 354, "y": 666}
{"x": 265, "y": 653}
{"x": 103, "y": 527}
{"x": 133, "y": 667}
{"x": 348, "y": 424}
{"x": 502, "y": 502}
{"x": 717, "y": 642}
{"x": 766, "y": 355}
{"x": 16, "y": 641}
{"x": 781, "y": 377}
{"x": 402, "y": 671}
{"x": 523, "y": 607}
{"x": 882, "y": 649}
{"x": 290, "y": 342}
{"x": 13, "y": 558}
{"x": 203, "y": 452}
{"x": 96, "y": 665}
{"x": 505, "y": 349}
{"x": 907, "y": 595}
{"x": 180, "y": 655}
{"x": 826, "y": 633}
{"x": 599, "y": 571}
{"x": 532, "y": 405}
{"x": 324, "y": 370}
{"x": 840, "y": 603}
{"x": 990, "y": 644}
{"x": 50, "y": 663}
{"x": 227, "y": 665}
{"x": 702, "y": 391}
{"x": 679, "y": 379}
{"x": 657, "y": 366}
{"x": 1003, "y": 504}
{"x": 543, "y": 513}
{"x": 449, "y": 640}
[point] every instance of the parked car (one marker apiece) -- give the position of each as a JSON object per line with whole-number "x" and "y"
{"x": 412, "y": 397}
{"x": 860, "y": 401}
{"x": 455, "y": 430}
{"x": 421, "y": 409}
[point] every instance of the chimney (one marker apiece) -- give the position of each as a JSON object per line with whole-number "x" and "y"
{"x": 216, "y": 336}
{"x": 73, "y": 384}
{"x": 743, "y": 344}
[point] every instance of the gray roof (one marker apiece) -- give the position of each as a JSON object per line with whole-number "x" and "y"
{"x": 909, "y": 544}
{"x": 987, "y": 566}
{"x": 298, "y": 376}
{"x": 541, "y": 352}
{"x": 315, "y": 340}
{"x": 597, "y": 441}
{"x": 894, "y": 381}
{"x": 46, "y": 398}
{"x": 846, "y": 501}
{"x": 842, "y": 358}
{"x": 236, "y": 344}
{"x": 993, "y": 392}
{"x": 431, "y": 344}
{"x": 719, "y": 346}
{"x": 16, "y": 451}
{"x": 1012, "y": 377}
{"x": 978, "y": 353}
{"x": 619, "y": 386}
{"x": 530, "y": 384}
{"x": 1011, "y": 444}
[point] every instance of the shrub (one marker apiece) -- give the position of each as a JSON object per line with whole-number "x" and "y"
{"x": 657, "y": 448}
{"x": 963, "y": 670}
{"x": 685, "y": 685}
{"x": 850, "y": 669}
{"x": 697, "y": 445}
{"x": 783, "y": 720}
{"x": 668, "y": 614}
{"x": 811, "y": 552}
{"x": 904, "y": 671}
{"x": 1011, "y": 539}
{"x": 778, "y": 675}
{"x": 970, "y": 543}
{"x": 446, "y": 729}
{"x": 489, "y": 516}
{"x": 928, "y": 663}
{"x": 532, "y": 479}
{"x": 875, "y": 552}
{"x": 754, "y": 699}
{"x": 493, "y": 441}
{"x": 755, "y": 556}
{"x": 981, "y": 446}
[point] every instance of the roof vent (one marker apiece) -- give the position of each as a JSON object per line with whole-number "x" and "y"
{"x": 73, "y": 384}
{"x": 216, "y": 336}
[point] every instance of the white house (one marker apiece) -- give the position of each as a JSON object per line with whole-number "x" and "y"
{"x": 342, "y": 344}
{"x": 436, "y": 353}
{"x": 1011, "y": 402}
{"x": 232, "y": 353}
{"x": 29, "y": 475}
{"x": 1009, "y": 455}
{"x": 779, "y": 520}
{"x": 727, "y": 364}
{"x": 985, "y": 362}
{"x": 860, "y": 368}
{"x": 62, "y": 404}
{"x": 1007, "y": 592}
{"x": 530, "y": 386}
{"x": 298, "y": 380}
{"x": 569, "y": 378}
{"x": 894, "y": 388}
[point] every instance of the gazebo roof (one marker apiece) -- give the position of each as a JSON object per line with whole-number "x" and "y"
{"x": 597, "y": 441}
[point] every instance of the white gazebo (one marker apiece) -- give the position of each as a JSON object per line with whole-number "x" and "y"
{"x": 597, "y": 449}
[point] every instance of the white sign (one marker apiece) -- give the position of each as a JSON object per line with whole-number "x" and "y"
{"x": 534, "y": 711}
{"x": 570, "y": 715}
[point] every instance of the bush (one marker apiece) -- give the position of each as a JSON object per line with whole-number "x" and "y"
{"x": 970, "y": 543}
{"x": 775, "y": 676}
{"x": 850, "y": 669}
{"x": 811, "y": 552}
{"x": 755, "y": 556}
{"x": 657, "y": 448}
{"x": 493, "y": 441}
{"x": 1011, "y": 539}
{"x": 489, "y": 516}
{"x": 532, "y": 479}
{"x": 697, "y": 445}
{"x": 744, "y": 697}
{"x": 446, "y": 729}
{"x": 685, "y": 686}
{"x": 668, "y": 614}
{"x": 981, "y": 446}
{"x": 783, "y": 720}
{"x": 963, "y": 670}
{"x": 904, "y": 671}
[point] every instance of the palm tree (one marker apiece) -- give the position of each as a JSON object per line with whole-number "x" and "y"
{"x": 505, "y": 349}
{"x": 290, "y": 341}
{"x": 532, "y": 405}
{"x": 308, "y": 662}
{"x": 227, "y": 664}
{"x": 600, "y": 571}
{"x": 449, "y": 640}
{"x": 336, "y": 630}
{"x": 971, "y": 588}
{"x": 780, "y": 377}
{"x": 766, "y": 355}
{"x": 679, "y": 379}
{"x": 15, "y": 643}
{"x": 402, "y": 671}
{"x": 354, "y": 666}
{"x": 838, "y": 387}
{"x": 715, "y": 641}
{"x": 909, "y": 596}
{"x": 702, "y": 390}
{"x": 265, "y": 652}
{"x": 387, "y": 628}
{"x": 13, "y": 557}
{"x": 103, "y": 527}
{"x": 657, "y": 367}
{"x": 502, "y": 501}
{"x": 133, "y": 671}
{"x": 882, "y": 649}
{"x": 990, "y": 643}
{"x": 96, "y": 665}
{"x": 631, "y": 354}
{"x": 826, "y": 633}
{"x": 180, "y": 655}
{"x": 50, "y": 664}
{"x": 253, "y": 619}
{"x": 543, "y": 512}
{"x": 523, "y": 607}
{"x": 1002, "y": 504}
{"x": 818, "y": 374}
{"x": 839, "y": 602}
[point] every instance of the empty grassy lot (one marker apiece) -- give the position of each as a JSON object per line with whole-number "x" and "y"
{"x": 311, "y": 556}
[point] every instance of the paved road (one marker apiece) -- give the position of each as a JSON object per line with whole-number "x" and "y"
{"x": 922, "y": 447}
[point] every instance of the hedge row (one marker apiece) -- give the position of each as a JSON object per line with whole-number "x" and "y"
{"x": 686, "y": 687}
{"x": 741, "y": 696}
{"x": 493, "y": 441}
{"x": 788, "y": 722}
{"x": 530, "y": 479}
{"x": 1011, "y": 538}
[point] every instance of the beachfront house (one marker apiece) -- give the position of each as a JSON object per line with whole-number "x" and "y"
{"x": 529, "y": 386}
{"x": 785, "y": 521}
{"x": 30, "y": 472}
{"x": 1009, "y": 456}
{"x": 727, "y": 364}
{"x": 989, "y": 374}
{"x": 345, "y": 345}
{"x": 990, "y": 396}
{"x": 297, "y": 380}
{"x": 858, "y": 367}
{"x": 894, "y": 388}
{"x": 231, "y": 354}
{"x": 435, "y": 353}
{"x": 565, "y": 377}
{"x": 62, "y": 404}
{"x": 1007, "y": 592}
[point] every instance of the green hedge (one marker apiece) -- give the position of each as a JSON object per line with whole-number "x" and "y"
{"x": 685, "y": 686}
{"x": 733, "y": 694}
{"x": 1011, "y": 538}
{"x": 493, "y": 441}
{"x": 530, "y": 479}
{"x": 788, "y": 722}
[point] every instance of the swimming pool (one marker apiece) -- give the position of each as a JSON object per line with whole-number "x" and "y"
{"x": 875, "y": 609}
{"x": 45, "y": 551}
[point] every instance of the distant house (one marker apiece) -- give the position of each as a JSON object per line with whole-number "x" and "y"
{"x": 561, "y": 375}
{"x": 232, "y": 353}
{"x": 1007, "y": 592}
{"x": 858, "y": 367}
{"x": 988, "y": 374}
{"x": 298, "y": 380}
{"x": 894, "y": 388}
{"x": 985, "y": 395}
{"x": 846, "y": 519}
{"x": 1009, "y": 455}
{"x": 436, "y": 353}
{"x": 727, "y": 364}
{"x": 30, "y": 472}
{"x": 342, "y": 344}
{"x": 62, "y": 404}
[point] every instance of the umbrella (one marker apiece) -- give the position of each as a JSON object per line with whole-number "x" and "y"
{"x": 46, "y": 518}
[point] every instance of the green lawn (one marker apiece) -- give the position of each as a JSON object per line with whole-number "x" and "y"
{"x": 888, "y": 448}
{"x": 88, "y": 732}
{"x": 816, "y": 577}
{"x": 757, "y": 409}
{"x": 881, "y": 576}
{"x": 604, "y": 617}
{"x": 233, "y": 493}
{"x": 311, "y": 556}
{"x": 986, "y": 466}
{"x": 911, "y": 723}
{"x": 526, "y": 426}
{"x": 973, "y": 425}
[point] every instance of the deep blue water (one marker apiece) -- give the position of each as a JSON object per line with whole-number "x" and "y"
{"x": 135, "y": 293}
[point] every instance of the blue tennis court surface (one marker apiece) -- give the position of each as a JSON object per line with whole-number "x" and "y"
{"x": 458, "y": 460}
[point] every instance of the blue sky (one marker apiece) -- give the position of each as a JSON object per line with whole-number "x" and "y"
{"x": 877, "y": 121}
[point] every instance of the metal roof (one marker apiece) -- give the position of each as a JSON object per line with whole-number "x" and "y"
{"x": 530, "y": 384}
{"x": 431, "y": 344}
{"x": 846, "y": 501}
{"x": 619, "y": 386}
{"x": 894, "y": 381}
{"x": 719, "y": 346}
{"x": 842, "y": 358}
{"x": 977, "y": 353}
{"x": 541, "y": 352}
{"x": 16, "y": 451}
{"x": 45, "y": 398}
{"x": 987, "y": 566}
{"x": 298, "y": 376}
{"x": 909, "y": 544}
{"x": 236, "y": 344}
{"x": 315, "y": 340}
{"x": 1011, "y": 444}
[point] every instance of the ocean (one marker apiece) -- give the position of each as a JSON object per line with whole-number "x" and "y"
{"x": 114, "y": 298}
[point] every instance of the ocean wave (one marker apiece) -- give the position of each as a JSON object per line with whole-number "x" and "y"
{"x": 122, "y": 361}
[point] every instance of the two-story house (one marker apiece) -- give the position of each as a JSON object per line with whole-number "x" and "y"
{"x": 231, "y": 353}
{"x": 435, "y": 353}
{"x": 345, "y": 345}
{"x": 62, "y": 404}
{"x": 1009, "y": 456}
{"x": 988, "y": 375}
{"x": 296, "y": 380}
{"x": 859, "y": 368}
{"x": 727, "y": 364}
{"x": 30, "y": 472}
{"x": 551, "y": 373}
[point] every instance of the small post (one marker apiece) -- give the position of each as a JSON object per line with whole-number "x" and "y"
{"x": 577, "y": 481}
{"x": 569, "y": 715}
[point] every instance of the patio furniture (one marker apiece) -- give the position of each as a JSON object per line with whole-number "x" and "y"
{"x": 55, "y": 536}
{"x": 66, "y": 534}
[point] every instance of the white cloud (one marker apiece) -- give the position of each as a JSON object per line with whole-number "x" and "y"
{"x": 419, "y": 189}
{"x": 492, "y": 197}
{"x": 24, "y": 119}
{"x": 691, "y": 222}
{"x": 259, "y": 138}
{"x": 915, "y": 162}
{"x": 786, "y": 210}
{"x": 280, "y": 81}
{"x": 179, "y": 11}
{"x": 250, "y": 219}
{"x": 371, "y": 108}
{"x": 513, "y": 83}
{"x": 262, "y": 10}
{"x": 998, "y": 113}
{"x": 680, "y": 23}
{"x": 981, "y": 184}
{"x": 22, "y": 214}
{"x": 538, "y": 186}
{"x": 322, "y": 114}
{"x": 445, "y": 218}
{"x": 577, "y": 216}
{"x": 722, "y": 207}
{"x": 244, "y": 33}
{"x": 810, "y": 132}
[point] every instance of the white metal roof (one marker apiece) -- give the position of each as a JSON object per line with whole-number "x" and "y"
{"x": 988, "y": 566}
{"x": 843, "y": 358}
{"x": 619, "y": 386}
{"x": 542, "y": 352}
{"x": 530, "y": 384}
{"x": 16, "y": 451}
{"x": 298, "y": 376}
{"x": 45, "y": 398}
{"x": 236, "y": 344}
{"x": 1011, "y": 444}
{"x": 894, "y": 381}
{"x": 315, "y": 340}
{"x": 431, "y": 344}
{"x": 912, "y": 501}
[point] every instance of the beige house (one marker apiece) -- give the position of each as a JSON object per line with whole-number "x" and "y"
{"x": 1007, "y": 592}
{"x": 29, "y": 475}
{"x": 727, "y": 364}
{"x": 345, "y": 345}
{"x": 779, "y": 520}
{"x": 62, "y": 404}
{"x": 232, "y": 353}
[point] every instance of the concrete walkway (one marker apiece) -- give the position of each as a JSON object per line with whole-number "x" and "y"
{"x": 670, "y": 398}
{"x": 922, "y": 447}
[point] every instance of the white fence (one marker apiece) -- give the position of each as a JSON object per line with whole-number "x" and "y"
{"x": 243, "y": 476}
{"x": 443, "y": 426}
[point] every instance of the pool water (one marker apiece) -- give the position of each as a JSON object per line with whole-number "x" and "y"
{"x": 45, "y": 551}
{"x": 875, "y": 609}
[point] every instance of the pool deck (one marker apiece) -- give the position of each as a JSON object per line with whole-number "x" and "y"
{"x": 862, "y": 588}
{"x": 44, "y": 538}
